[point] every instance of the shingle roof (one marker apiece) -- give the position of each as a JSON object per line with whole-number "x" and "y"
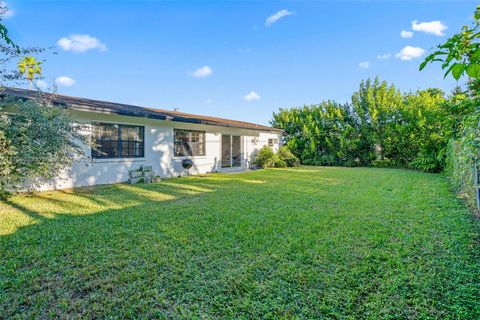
{"x": 82, "y": 104}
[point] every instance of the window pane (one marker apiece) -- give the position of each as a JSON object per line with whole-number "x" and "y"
{"x": 189, "y": 143}
{"x": 125, "y": 151}
{"x": 117, "y": 141}
{"x": 107, "y": 132}
{"x": 132, "y": 133}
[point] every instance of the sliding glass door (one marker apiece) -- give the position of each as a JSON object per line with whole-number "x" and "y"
{"x": 226, "y": 151}
{"x": 231, "y": 151}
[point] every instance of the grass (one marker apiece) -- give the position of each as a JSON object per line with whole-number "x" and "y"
{"x": 304, "y": 243}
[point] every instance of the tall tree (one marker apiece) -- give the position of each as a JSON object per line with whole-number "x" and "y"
{"x": 30, "y": 67}
{"x": 37, "y": 139}
{"x": 374, "y": 105}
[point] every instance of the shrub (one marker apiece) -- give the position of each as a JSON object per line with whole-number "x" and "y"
{"x": 279, "y": 163}
{"x": 287, "y": 158}
{"x": 426, "y": 163}
{"x": 380, "y": 127}
{"x": 36, "y": 143}
{"x": 266, "y": 158}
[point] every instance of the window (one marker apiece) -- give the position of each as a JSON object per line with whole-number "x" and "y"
{"x": 272, "y": 142}
{"x": 189, "y": 143}
{"x": 117, "y": 141}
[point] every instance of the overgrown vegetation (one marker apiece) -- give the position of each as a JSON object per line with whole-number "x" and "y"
{"x": 294, "y": 243}
{"x": 383, "y": 127}
{"x": 37, "y": 142}
{"x": 37, "y": 139}
{"x": 380, "y": 127}
{"x": 460, "y": 55}
{"x": 463, "y": 157}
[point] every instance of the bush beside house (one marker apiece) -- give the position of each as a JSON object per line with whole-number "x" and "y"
{"x": 266, "y": 158}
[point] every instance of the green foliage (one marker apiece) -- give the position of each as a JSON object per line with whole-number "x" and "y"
{"x": 3, "y": 29}
{"x": 10, "y": 52}
{"x": 266, "y": 158}
{"x": 426, "y": 163}
{"x": 470, "y": 138}
{"x": 319, "y": 134}
{"x": 374, "y": 106}
{"x": 380, "y": 127}
{"x": 306, "y": 243}
{"x": 286, "y": 158}
{"x": 37, "y": 142}
{"x": 463, "y": 156}
{"x": 460, "y": 54}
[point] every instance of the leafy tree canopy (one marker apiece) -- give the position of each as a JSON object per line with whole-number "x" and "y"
{"x": 37, "y": 139}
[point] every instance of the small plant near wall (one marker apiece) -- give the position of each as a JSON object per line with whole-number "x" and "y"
{"x": 266, "y": 158}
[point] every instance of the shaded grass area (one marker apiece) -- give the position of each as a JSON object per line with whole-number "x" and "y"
{"x": 303, "y": 243}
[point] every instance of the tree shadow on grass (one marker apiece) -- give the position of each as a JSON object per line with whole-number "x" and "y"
{"x": 44, "y": 206}
{"x": 224, "y": 248}
{"x": 134, "y": 235}
{"x": 29, "y": 212}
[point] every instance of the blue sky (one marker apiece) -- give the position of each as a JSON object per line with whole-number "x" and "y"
{"x": 227, "y": 58}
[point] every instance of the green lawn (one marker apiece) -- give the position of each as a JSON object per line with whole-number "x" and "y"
{"x": 306, "y": 243}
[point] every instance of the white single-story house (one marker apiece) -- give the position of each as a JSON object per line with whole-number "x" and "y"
{"x": 128, "y": 137}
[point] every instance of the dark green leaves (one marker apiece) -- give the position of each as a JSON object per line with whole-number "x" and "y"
{"x": 460, "y": 54}
{"x": 422, "y": 65}
{"x": 379, "y": 127}
{"x": 473, "y": 70}
{"x": 476, "y": 15}
{"x": 457, "y": 70}
{"x": 36, "y": 144}
{"x": 6, "y": 38}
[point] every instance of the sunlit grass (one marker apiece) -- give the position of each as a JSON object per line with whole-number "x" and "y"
{"x": 308, "y": 242}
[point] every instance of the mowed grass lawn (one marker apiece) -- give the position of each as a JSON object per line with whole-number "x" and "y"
{"x": 303, "y": 243}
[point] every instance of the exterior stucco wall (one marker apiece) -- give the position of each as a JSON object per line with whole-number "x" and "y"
{"x": 159, "y": 142}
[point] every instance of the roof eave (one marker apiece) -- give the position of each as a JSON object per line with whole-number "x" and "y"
{"x": 144, "y": 113}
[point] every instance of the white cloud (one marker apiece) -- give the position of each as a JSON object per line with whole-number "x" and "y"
{"x": 406, "y": 34}
{"x": 364, "y": 65}
{"x": 277, "y": 16}
{"x": 384, "y": 56}
{"x": 41, "y": 84}
{"x": 65, "y": 81}
{"x": 434, "y": 27}
{"x": 202, "y": 72}
{"x": 251, "y": 96}
{"x": 409, "y": 53}
{"x": 81, "y": 43}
